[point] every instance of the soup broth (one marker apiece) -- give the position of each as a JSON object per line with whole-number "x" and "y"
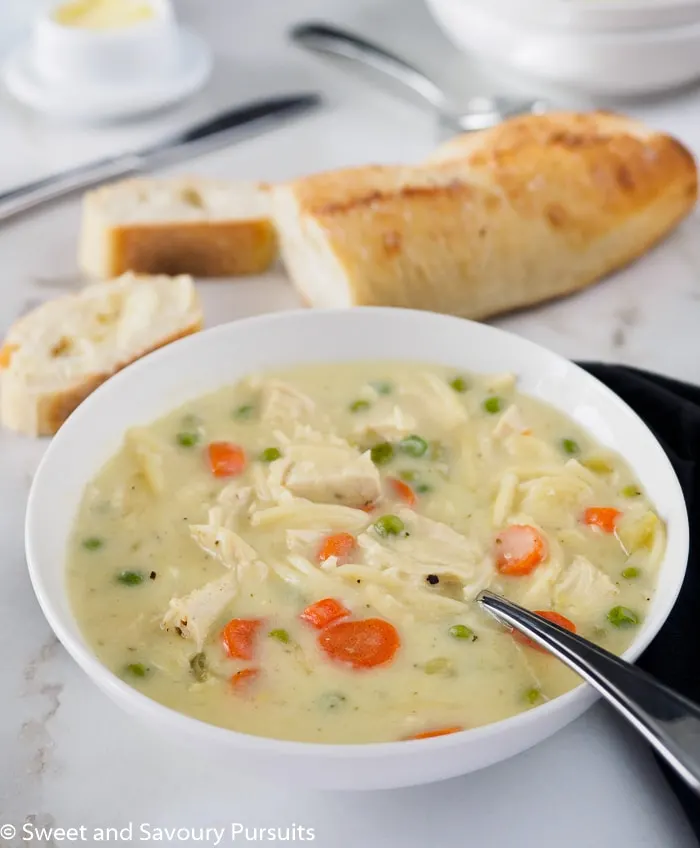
{"x": 297, "y": 556}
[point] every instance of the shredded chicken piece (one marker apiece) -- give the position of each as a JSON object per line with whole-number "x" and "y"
{"x": 327, "y": 474}
{"x": 283, "y": 403}
{"x": 193, "y": 615}
{"x": 429, "y": 548}
{"x": 385, "y": 421}
{"x": 583, "y": 589}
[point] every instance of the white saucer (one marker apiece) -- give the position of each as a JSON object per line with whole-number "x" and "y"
{"x": 93, "y": 102}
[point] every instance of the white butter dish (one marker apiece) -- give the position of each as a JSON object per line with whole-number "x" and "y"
{"x": 100, "y": 73}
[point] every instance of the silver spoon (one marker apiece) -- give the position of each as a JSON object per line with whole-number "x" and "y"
{"x": 477, "y": 114}
{"x": 667, "y": 720}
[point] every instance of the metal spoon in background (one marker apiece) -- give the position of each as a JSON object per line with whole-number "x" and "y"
{"x": 479, "y": 112}
{"x": 667, "y": 720}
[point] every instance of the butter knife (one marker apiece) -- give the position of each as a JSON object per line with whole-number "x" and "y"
{"x": 205, "y": 137}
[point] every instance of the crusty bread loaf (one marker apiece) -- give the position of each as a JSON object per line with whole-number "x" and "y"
{"x": 56, "y": 355}
{"x": 207, "y": 228}
{"x": 535, "y": 208}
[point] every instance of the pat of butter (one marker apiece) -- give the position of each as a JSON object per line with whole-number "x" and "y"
{"x": 103, "y": 14}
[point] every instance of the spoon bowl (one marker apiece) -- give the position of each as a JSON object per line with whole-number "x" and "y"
{"x": 478, "y": 113}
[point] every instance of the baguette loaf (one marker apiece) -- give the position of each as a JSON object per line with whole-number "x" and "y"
{"x": 56, "y": 355}
{"x": 535, "y": 208}
{"x": 201, "y": 227}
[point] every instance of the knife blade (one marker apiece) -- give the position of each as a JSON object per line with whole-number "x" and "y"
{"x": 210, "y": 135}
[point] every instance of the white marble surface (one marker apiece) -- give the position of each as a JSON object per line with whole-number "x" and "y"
{"x": 68, "y": 757}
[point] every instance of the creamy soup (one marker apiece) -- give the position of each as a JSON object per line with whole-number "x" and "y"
{"x": 297, "y": 556}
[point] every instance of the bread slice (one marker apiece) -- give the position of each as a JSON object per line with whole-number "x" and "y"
{"x": 56, "y": 355}
{"x": 206, "y": 228}
{"x": 535, "y": 208}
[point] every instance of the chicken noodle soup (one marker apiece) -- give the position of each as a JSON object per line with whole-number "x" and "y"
{"x": 297, "y": 556}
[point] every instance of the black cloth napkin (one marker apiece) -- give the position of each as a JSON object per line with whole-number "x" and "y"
{"x": 671, "y": 410}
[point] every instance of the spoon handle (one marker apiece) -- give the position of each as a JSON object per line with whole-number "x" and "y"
{"x": 670, "y": 722}
{"x": 323, "y": 38}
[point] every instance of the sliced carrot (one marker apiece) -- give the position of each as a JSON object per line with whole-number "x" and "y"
{"x": 604, "y": 517}
{"x": 361, "y": 644}
{"x": 6, "y": 352}
{"x": 368, "y": 507}
{"x": 226, "y": 459}
{"x": 402, "y": 491}
{"x": 238, "y": 637}
{"x": 323, "y": 613}
{"x": 519, "y": 549}
{"x": 243, "y": 678}
{"x": 552, "y": 616}
{"x": 430, "y": 734}
{"x": 339, "y": 545}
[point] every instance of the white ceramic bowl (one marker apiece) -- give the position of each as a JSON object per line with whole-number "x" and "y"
{"x": 217, "y": 357}
{"x": 594, "y": 48}
{"x": 69, "y": 54}
{"x": 603, "y": 15}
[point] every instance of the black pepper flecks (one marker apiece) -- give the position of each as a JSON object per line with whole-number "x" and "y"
{"x": 153, "y": 575}
{"x": 433, "y": 579}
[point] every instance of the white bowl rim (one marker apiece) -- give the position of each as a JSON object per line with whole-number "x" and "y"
{"x": 188, "y": 725}
{"x": 619, "y": 19}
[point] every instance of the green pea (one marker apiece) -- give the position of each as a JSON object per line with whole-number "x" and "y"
{"x": 439, "y": 665}
{"x": 413, "y": 446}
{"x": 630, "y": 573}
{"x": 279, "y": 635}
{"x": 493, "y": 405}
{"x": 243, "y": 413}
{"x": 359, "y": 405}
{"x": 459, "y": 384}
{"x": 389, "y": 525}
{"x": 382, "y": 387}
{"x": 130, "y": 578}
{"x": 199, "y": 666}
{"x": 570, "y": 446}
{"x": 187, "y": 439}
{"x": 408, "y": 475}
{"x": 461, "y": 631}
{"x": 382, "y": 453}
{"x": 532, "y": 696}
{"x": 631, "y": 491}
{"x": 423, "y": 488}
{"x": 331, "y": 700}
{"x": 93, "y": 543}
{"x": 623, "y": 617}
{"x": 270, "y": 454}
{"x": 138, "y": 670}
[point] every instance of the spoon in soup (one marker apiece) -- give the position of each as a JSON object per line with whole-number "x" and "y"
{"x": 667, "y": 720}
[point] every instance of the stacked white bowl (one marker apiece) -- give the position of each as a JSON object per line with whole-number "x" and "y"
{"x": 598, "y": 47}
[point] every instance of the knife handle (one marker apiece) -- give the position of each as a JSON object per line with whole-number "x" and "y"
{"x": 28, "y": 196}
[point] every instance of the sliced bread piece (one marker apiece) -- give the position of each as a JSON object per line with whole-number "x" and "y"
{"x": 535, "y": 208}
{"x": 207, "y": 228}
{"x": 56, "y": 355}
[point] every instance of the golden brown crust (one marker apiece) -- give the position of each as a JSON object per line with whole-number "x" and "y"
{"x": 54, "y": 409}
{"x": 199, "y": 248}
{"x": 536, "y": 208}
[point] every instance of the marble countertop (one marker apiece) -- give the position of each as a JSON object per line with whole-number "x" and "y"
{"x": 68, "y": 757}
